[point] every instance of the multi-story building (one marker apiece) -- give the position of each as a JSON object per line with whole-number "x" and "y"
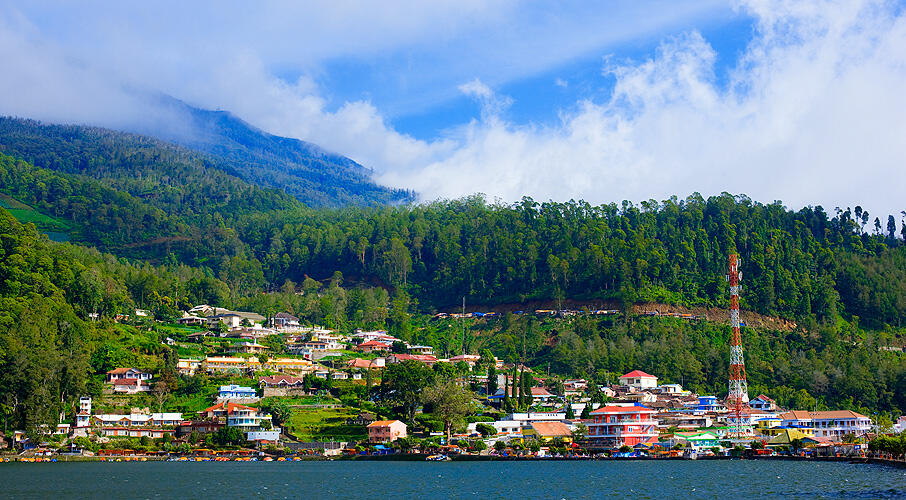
{"x": 188, "y": 366}
{"x": 83, "y": 418}
{"x": 383, "y": 431}
{"x": 129, "y": 380}
{"x": 763, "y": 403}
{"x": 245, "y": 418}
{"x": 615, "y": 426}
{"x": 830, "y": 424}
{"x": 138, "y": 420}
{"x": 229, "y": 364}
{"x": 234, "y": 391}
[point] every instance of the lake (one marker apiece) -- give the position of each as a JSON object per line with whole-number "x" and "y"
{"x": 529, "y": 479}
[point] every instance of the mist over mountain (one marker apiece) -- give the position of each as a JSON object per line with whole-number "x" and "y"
{"x": 302, "y": 169}
{"x": 193, "y": 138}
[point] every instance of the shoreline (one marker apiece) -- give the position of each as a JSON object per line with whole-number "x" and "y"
{"x": 890, "y": 462}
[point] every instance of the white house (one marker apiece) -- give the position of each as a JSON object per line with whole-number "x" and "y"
{"x": 234, "y": 391}
{"x": 83, "y": 418}
{"x": 639, "y": 380}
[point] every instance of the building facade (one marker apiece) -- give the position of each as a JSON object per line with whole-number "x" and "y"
{"x": 639, "y": 380}
{"x": 616, "y": 426}
{"x": 384, "y": 431}
{"x": 828, "y": 424}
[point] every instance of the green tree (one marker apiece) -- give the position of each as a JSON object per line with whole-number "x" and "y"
{"x": 485, "y": 430}
{"x": 449, "y": 402}
{"x": 402, "y": 385}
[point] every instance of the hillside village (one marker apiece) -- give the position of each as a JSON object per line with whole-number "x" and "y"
{"x": 236, "y": 383}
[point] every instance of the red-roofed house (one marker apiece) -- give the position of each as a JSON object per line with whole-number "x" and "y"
{"x": 372, "y": 346}
{"x": 615, "y": 426}
{"x": 639, "y": 380}
{"x": 243, "y": 417}
{"x": 127, "y": 373}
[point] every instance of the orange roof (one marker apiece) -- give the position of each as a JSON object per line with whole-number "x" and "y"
{"x": 119, "y": 371}
{"x": 382, "y": 423}
{"x": 638, "y": 373}
{"x": 540, "y": 391}
{"x": 551, "y": 429}
{"x": 361, "y": 363}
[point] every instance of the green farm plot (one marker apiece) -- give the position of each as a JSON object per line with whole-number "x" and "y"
{"x": 25, "y": 214}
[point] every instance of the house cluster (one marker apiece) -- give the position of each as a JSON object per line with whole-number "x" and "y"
{"x": 228, "y": 411}
{"x": 641, "y": 414}
{"x": 239, "y": 365}
{"x": 210, "y": 316}
{"x": 561, "y": 313}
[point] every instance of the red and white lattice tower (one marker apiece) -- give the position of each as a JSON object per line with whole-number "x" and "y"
{"x": 738, "y": 398}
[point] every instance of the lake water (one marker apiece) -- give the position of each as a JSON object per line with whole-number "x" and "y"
{"x": 553, "y": 479}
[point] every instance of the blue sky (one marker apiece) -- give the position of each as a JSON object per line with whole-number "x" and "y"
{"x": 424, "y": 107}
{"x": 602, "y": 101}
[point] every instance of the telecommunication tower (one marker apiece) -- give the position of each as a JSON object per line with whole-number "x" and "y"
{"x": 738, "y": 398}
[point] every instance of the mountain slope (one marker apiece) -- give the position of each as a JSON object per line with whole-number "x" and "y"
{"x": 302, "y": 169}
{"x": 171, "y": 178}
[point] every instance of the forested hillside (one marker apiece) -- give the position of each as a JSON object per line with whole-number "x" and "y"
{"x": 226, "y": 172}
{"x": 806, "y": 265}
{"x": 177, "y": 232}
{"x": 800, "y": 265}
{"x": 302, "y": 169}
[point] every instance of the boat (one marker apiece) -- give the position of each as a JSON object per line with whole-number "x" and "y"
{"x": 438, "y": 458}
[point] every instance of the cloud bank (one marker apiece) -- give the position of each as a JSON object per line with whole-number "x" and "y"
{"x": 812, "y": 111}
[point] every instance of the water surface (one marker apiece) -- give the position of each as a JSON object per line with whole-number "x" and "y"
{"x": 539, "y": 479}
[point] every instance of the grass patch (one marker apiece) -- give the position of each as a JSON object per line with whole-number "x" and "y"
{"x": 25, "y": 214}
{"x": 325, "y": 425}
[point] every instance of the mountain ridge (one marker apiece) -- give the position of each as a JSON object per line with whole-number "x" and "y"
{"x": 298, "y": 167}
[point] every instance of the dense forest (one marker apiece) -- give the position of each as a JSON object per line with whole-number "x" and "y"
{"x": 806, "y": 265}
{"x": 303, "y": 170}
{"x": 224, "y": 174}
{"x": 150, "y": 228}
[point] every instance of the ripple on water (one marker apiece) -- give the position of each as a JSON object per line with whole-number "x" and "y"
{"x": 536, "y": 479}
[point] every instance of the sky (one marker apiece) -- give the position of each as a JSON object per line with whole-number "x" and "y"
{"x": 799, "y": 101}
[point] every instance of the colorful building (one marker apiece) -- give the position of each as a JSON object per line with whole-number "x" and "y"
{"x": 615, "y": 426}
{"x": 383, "y": 431}
{"x": 831, "y": 424}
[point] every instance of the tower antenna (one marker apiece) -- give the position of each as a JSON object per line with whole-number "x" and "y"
{"x": 739, "y": 390}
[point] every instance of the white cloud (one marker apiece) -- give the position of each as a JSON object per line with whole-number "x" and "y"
{"x": 815, "y": 113}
